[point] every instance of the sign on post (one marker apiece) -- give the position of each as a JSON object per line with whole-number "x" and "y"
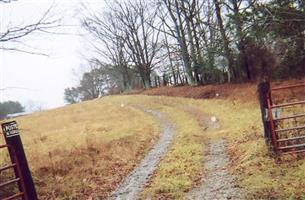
{"x": 13, "y": 140}
{"x": 263, "y": 92}
{"x": 10, "y": 129}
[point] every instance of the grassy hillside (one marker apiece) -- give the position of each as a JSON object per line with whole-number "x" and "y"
{"x": 85, "y": 150}
{"x": 258, "y": 173}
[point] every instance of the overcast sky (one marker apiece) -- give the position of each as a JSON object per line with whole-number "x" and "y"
{"x": 40, "y": 79}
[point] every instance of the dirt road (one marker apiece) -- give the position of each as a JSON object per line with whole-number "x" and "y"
{"x": 134, "y": 183}
{"x": 218, "y": 182}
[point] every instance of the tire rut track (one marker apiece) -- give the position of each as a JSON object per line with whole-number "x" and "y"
{"x": 133, "y": 184}
{"x": 218, "y": 183}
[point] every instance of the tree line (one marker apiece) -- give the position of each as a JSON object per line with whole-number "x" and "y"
{"x": 10, "y": 107}
{"x": 141, "y": 43}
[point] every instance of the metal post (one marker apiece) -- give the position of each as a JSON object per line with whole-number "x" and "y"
{"x": 272, "y": 125}
{"x": 263, "y": 94}
{"x": 13, "y": 140}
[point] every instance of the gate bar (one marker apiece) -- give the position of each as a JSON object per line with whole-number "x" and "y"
{"x": 3, "y": 146}
{"x": 290, "y": 129}
{"x": 292, "y": 138}
{"x": 9, "y": 182}
{"x": 294, "y": 152}
{"x": 20, "y": 194}
{"x": 288, "y": 86}
{"x": 7, "y": 167}
{"x": 292, "y": 146}
{"x": 288, "y": 104}
{"x": 290, "y": 117}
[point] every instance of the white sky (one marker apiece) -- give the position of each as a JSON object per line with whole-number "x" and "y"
{"x": 43, "y": 79}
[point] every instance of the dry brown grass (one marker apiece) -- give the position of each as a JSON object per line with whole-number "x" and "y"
{"x": 182, "y": 166}
{"x": 85, "y": 150}
{"x": 243, "y": 92}
{"x": 259, "y": 174}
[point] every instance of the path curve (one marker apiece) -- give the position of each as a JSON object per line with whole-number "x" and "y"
{"x": 133, "y": 184}
{"x": 218, "y": 183}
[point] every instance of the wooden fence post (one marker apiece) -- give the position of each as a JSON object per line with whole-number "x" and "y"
{"x": 263, "y": 92}
{"x": 13, "y": 140}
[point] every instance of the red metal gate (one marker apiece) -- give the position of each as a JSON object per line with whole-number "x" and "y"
{"x": 17, "y": 173}
{"x": 20, "y": 176}
{"x": 287, "y": 120}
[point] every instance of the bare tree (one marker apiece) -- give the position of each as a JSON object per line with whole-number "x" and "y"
{"x": 238, "y": 8}
{"x": 191, "y": 23}
{"x": 142, "y": 41}
{"x": 176, "y": 28}
{"x": 205, "y": 40}
{"x": 225, "y": 40}
{"x": 13, "y": 35}
{"x": 127, "y": 38}
{"x": 110, "y": 44}
{"x": 6, "y": 1}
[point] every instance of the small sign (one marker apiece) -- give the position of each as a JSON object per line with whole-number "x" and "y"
{"x": 276, "y": 113}
{"x": 10, "y": 129}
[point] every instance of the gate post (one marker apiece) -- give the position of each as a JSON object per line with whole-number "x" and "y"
{"x": 13, "y": 140}
{"x": 263, "y": 93}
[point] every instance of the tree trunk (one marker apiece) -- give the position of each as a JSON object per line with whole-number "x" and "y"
{"x": 243, "y": 60}
{"x": 147, "y": 79}
{"x": 191, "y": 43}
{"x": 181, "y": 39}
{"x": 179, "y": 75}
{"x": 126, "y": 79}
{"x": 225, "y": 41}
{"x": 170, "y": 59}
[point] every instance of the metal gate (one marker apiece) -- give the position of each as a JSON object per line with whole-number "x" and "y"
{"x": 22, "y": 179}
{"x": 17, "y": 172}
{"x": 284, "y": 122}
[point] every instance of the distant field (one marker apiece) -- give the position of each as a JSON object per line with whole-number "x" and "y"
{"x": 85, "y": 150}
